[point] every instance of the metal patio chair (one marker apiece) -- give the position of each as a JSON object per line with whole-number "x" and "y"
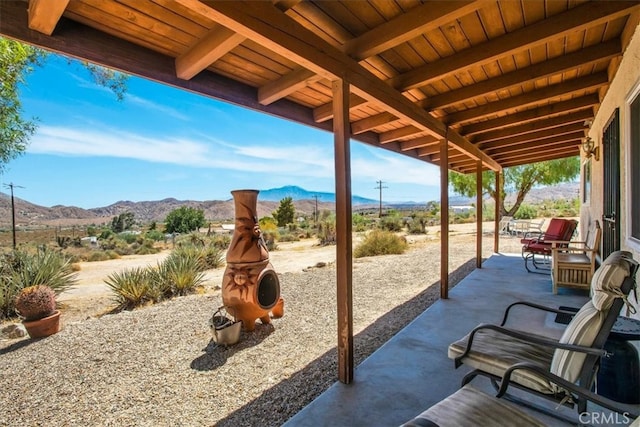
{"x": 537, "y": 248}
{"x": 507, "y": 355}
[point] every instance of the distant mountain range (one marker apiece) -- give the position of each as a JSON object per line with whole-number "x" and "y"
{"x": 29, "y": 214}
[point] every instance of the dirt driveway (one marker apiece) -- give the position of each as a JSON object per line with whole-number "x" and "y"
{"x": 91, "y": 296}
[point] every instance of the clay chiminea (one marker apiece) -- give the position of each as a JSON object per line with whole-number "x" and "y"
{"x": 250, "y": 286}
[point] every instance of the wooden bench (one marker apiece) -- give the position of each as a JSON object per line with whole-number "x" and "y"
{"x": 574, "y": 262}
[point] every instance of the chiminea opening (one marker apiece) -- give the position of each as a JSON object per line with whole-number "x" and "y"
{"x": 268, "y": 290}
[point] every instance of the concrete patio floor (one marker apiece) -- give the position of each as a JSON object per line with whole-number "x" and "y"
{"x": 411, "y": 372}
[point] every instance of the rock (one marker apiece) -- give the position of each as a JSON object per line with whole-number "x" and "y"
{"x": 15, "y": 330}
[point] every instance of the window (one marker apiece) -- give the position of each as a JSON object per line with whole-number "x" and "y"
{"x": 634, "y": 171}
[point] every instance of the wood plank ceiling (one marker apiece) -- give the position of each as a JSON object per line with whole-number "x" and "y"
{"x": 505, "y": 82}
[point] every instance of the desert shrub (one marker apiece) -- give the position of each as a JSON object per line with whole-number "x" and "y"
{"x": 380, "y": 242}
{"x": 129, "y": 238}
{"x": 131, "y": 288}
{"x": 327, "y": 228}
{"x": 270, "y": 238}
{"x": 526, "y": 212}
{"x": 359, "y": 222}
{"x": 220, "y": 241}
{"x": 390, "y": 223}
{"x": 75, "y": 266}
{"x": 287, "y": 236}
{"x": 155, "y": 235}
{"x": 98, "y": 256}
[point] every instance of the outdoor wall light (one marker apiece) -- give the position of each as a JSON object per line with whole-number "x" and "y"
{"x": 590, "y": 149}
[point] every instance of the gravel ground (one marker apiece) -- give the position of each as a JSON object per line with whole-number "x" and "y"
{"x": 157, "y": 366}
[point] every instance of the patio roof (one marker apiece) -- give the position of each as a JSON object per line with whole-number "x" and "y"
{"x": 506, "y": 83}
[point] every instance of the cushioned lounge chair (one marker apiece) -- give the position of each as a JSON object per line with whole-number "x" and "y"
{"x": 471, "y": 407}
{"x": 537, "y": 248}
{"x": 493, "y": 350}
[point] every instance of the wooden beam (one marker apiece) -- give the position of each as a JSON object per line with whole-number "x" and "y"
{"x": 267, "y": 26}
{"x": 542, "y": 157}
{"x": 423, "y": 141}
{"x": 497, "y": 215}
{"x": 396, "y": 134}
{"x": 325, "y": 112}
{"x": 344, "y": 260}
{"x": 536, "y": 144}
{"x": 532, "y": 114}
{"x": 45, "y": 14}
{"x": 579, "y": 18}
{"x": 535, "y": 150}
{"x": 479, "y": 207}
{"x": 533, "y": 136}
{"x": 567, "y": 87}
{"x": 286, "y": 85}
{"x": 213, "y": 46}
{"x": 534, "y": 126}
{"x": 371, "y": 122}
{"x": 444, "y": 219}
{"x": 383, "y": 37}
{"x": 206, "y": 51}
{"x": 588, "y": 56}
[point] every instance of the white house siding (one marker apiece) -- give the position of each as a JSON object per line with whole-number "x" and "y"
{"x": 624, "y": 87}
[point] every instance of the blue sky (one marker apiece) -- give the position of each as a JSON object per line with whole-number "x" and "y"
{"x": 91, "y": 151}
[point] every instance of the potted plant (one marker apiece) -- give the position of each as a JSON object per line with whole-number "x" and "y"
{"x": 37, "y": 306}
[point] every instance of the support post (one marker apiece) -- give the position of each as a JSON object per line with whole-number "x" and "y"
{"x": 344, "y": 261}
{"x": 444, "y": 217}
{"x": 479, "y": 214}
{"x": 496, "y": 234}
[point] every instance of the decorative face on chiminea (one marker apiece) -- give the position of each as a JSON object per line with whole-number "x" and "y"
{"x": 250, "y": 286}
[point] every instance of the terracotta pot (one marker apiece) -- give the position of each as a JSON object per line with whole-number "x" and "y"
{"x": 43, "y": 327}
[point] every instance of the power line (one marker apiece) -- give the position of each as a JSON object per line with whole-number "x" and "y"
{"x": 11, "y": 185}
{"x": 380, "y": 187}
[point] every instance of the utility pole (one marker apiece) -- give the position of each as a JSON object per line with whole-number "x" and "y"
{"x": 11, "y": 185}
{"x": 380, "y": 187}
{"x": 315, "y": 214}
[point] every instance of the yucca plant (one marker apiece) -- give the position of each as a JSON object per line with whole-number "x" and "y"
{"x": 44, "y": 268}
{"x": 131, "y": 287}
{"x": 182, "y": 273}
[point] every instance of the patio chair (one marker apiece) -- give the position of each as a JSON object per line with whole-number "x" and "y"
{"x": 537, "y": 248}
{"x": 493, "y": 350}
{"x": 471, "y": 407}
{"x": 503, "y": 225}
{"x": 574, "y": 265}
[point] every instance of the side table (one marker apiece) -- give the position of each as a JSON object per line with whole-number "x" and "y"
{"x": 619, "y": 375}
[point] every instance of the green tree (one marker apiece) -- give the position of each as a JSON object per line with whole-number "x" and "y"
{"x": 122, "y": 222}
{"x": 285, "y": 212}
{"x": 519, "y": 179}
{"x": 17, "y": 60}
{"x": 184, "y": 220}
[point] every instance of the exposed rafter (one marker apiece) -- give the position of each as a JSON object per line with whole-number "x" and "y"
{"x": 266, "y": 25}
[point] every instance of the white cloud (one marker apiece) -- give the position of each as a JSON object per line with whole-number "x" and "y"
{"x": 287, "y": 160}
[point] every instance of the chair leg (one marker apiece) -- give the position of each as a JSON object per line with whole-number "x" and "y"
{"x": 467, "y": 378}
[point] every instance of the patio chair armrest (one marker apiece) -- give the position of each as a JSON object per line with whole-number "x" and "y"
{"x": 531, "y": 234}
{"x": 525, "y": 336}
{"x": 632, "y": 410}
{"x": 532, "y": 305}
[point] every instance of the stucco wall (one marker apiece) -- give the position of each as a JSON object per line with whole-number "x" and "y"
{"x": 624, "y": 87}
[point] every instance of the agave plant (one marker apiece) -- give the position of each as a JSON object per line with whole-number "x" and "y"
{"x": 43, "y": 268}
